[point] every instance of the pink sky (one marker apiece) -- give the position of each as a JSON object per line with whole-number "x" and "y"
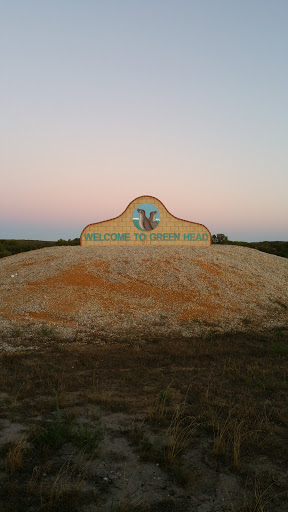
{"x": 103, "y": 102}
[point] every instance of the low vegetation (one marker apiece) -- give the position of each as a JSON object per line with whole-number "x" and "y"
{"x": 276, "y": 248}
{"x": 9, "y": 247}
{"x": 169, "y": 424}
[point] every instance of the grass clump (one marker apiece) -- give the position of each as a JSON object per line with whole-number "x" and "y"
{"x": 61, "y": 430}
{"x": 178, "y": 435}
{"x": 53, "y": 435}
{"x": 15, "y": 455}
{"x": 278, "y": 348}
{"x": 251, "y": 382}
{"x": 45, "y": 332}
{"x": 57, "y": 433}
{"x": 161, "y": 406}
{"x": 86, "y": 437}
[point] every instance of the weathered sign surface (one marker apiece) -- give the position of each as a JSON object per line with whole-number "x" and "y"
{"x": 145, "y": 221}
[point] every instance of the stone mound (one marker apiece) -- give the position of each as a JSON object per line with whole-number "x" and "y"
{"x": 144, "y": 291}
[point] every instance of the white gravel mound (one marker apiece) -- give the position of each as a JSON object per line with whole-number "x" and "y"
{"x": 136, "y": 292}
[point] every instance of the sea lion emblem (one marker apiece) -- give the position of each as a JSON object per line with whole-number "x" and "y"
{"x": 144, "y": 223}
{"x": 152, "y": 220}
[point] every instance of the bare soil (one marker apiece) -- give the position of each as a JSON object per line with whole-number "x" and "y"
{"x": 168, "y": 424}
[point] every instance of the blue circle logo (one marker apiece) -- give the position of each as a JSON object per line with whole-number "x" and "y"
{"x": 146, "y": 217}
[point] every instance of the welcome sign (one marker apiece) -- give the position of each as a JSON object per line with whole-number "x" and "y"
{"x": 145, "y": 221}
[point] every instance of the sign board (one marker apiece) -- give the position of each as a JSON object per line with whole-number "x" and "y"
{"x": 145, "y": 221}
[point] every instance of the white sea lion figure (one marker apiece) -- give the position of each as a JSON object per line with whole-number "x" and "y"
{"x": 144, "y": 223}
{"x": 152, "y": 220}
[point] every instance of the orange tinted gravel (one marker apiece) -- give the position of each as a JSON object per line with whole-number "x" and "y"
{"x": 145, "y": 290}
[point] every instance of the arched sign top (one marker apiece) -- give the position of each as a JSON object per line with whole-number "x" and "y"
{"x": 146, "y": 221}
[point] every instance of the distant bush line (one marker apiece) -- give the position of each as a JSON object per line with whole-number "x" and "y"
{"x": 9, "y": 247}
{"x": 277, "y": 248}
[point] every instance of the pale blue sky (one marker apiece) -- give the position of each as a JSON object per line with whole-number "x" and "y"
{"x": 105, "y": 101}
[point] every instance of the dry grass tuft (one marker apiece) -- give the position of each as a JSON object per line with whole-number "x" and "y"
{"x": 178, "y": 435}
{"x": 14, "y": 459}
